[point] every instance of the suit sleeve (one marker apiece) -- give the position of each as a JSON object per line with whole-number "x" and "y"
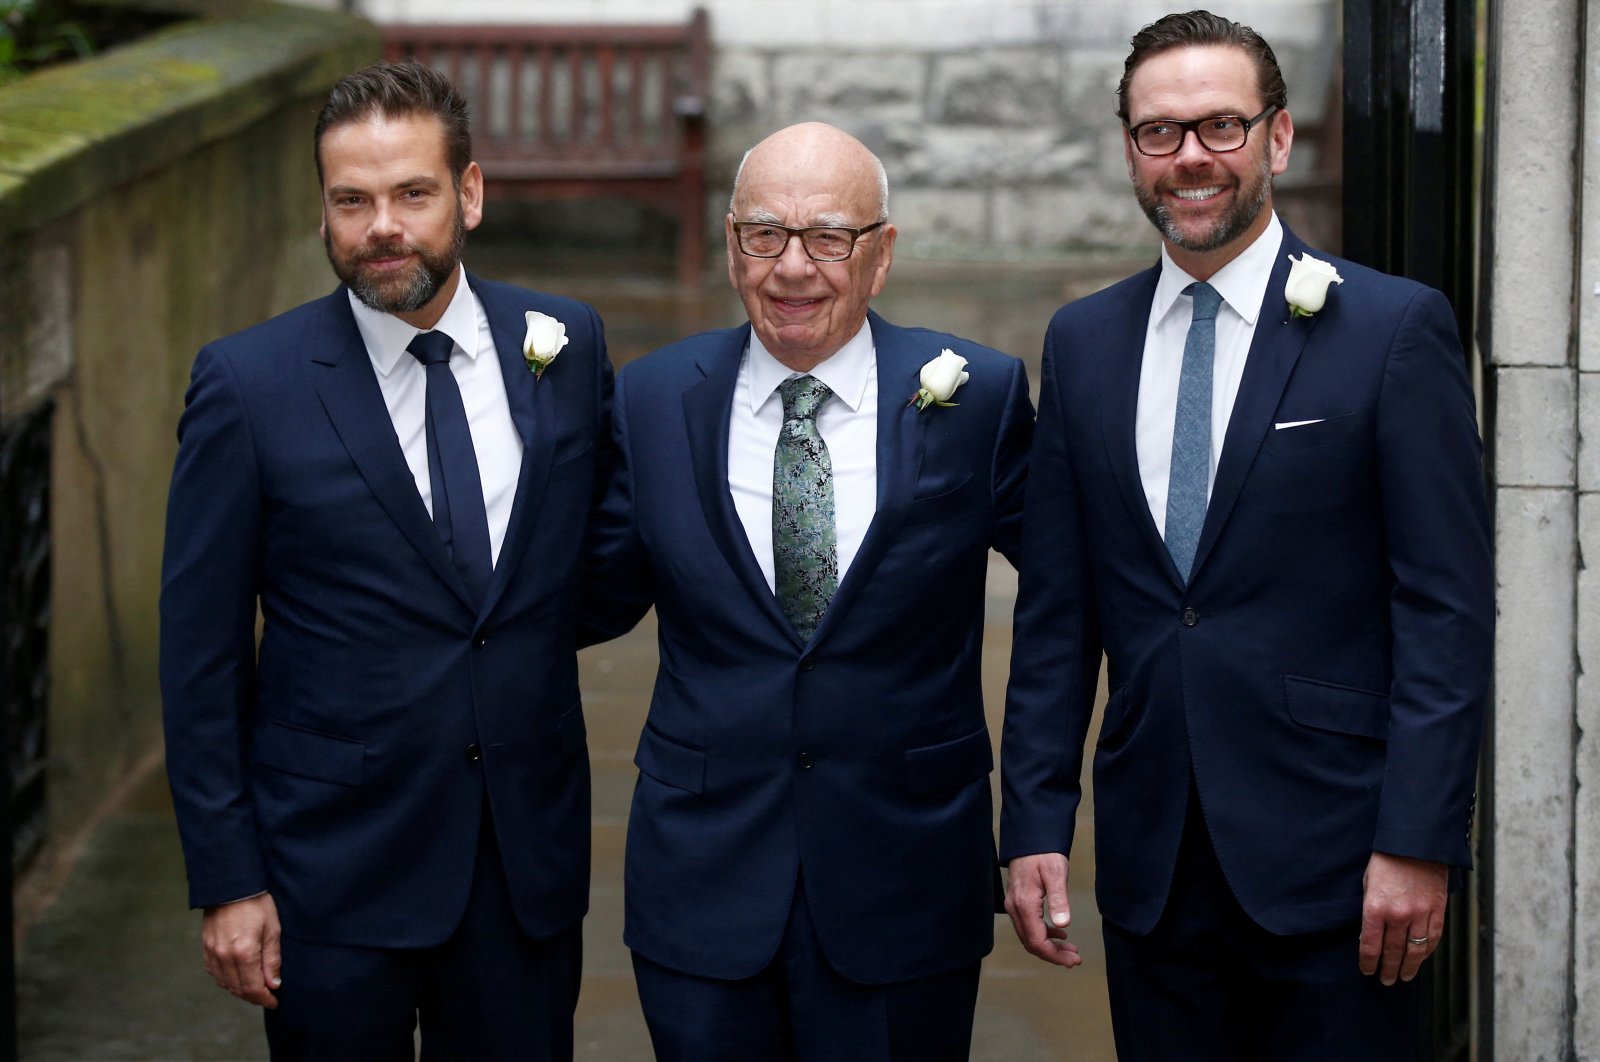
{"x": 1055, "y": 651}
{"x": 210, "y": 571}
{"x": 1010, "y": 472}
{"x": 1442, "y": 606}
{"x": 618, "y": 589}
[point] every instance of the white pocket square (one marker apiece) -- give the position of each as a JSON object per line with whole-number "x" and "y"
{"x": 1296, "y": 423}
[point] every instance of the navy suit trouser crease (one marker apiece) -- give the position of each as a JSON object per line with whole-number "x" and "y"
{"x": 489, "y": 992}
{"x": 1208, "y": 984}
{"x": 799, "y": 1009}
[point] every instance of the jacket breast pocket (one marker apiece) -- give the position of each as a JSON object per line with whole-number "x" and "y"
{"x": 1341, "y": 709}
{"x": 943, "y": 500}
{"x": 949, "y": 765}
{"x": 308, "y": 754}
{"x": 670, "y": 762}
{"x": 1311, "y": 436}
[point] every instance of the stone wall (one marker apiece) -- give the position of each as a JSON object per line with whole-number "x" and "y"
{"x": 150, "y": 200}
{"x": 1541, "y": 333}
{"x": 994, "y": 118}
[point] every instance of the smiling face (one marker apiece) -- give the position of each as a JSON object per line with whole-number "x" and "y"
{"x": 1208, "y": 205}
{"x": 803, "y": 310}
{"x": 393, "y": 221}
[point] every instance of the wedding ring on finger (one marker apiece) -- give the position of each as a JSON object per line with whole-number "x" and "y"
{"x": 1417, "y": 942}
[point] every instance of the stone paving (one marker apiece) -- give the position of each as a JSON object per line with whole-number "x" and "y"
{"x": 110, "y": 969}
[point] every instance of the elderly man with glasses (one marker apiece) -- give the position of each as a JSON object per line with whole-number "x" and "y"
{"x": 809, "y": 501}
{"x": 1257, "y": 489}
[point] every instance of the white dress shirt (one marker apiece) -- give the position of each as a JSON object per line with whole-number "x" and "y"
{"x": 476, "y": 367}
{"x": 847, "y": 421}
{"x": 1242, "y": 283}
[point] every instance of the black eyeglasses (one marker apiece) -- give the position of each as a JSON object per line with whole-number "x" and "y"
{"x": 1219, "y": 133}
{"x": 822, "y": 243}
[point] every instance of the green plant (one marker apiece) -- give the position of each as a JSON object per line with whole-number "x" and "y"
{"x": 35, "y": 33}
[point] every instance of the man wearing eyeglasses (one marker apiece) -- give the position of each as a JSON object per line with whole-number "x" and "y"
{"x": 811, "y": 870}
{"x": 1261, "y": 498}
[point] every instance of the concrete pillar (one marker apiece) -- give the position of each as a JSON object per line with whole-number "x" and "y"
{"x": 1541, "y": 335}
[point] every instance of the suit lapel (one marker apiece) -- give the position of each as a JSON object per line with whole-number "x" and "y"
{"x": 901, "y": 434}
{"x": 533, "y": 410}
{"x": 350, "y": 395}
{"x": 1123, "y": 362}
{"x": 706, "y": 407}
{"x": 1274, "y": 351}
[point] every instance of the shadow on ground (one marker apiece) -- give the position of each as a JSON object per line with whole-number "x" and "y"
{"x": 110, "y": 969}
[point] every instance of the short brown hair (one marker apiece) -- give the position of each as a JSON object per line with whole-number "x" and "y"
{"x": 396, "y": 90}
{"x": 1200, "y": 28}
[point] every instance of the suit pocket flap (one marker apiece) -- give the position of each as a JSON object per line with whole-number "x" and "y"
{"x": 308, "y": 754}
{"x": 1341, "y": 709}
{"x": 670, "y": 763}
{"x": 951, "y": 764}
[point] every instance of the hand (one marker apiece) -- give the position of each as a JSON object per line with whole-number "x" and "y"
{"x": 1403, "y": 900}
{"x": 241, "y": 942}
{"x": 1037, "y": 885}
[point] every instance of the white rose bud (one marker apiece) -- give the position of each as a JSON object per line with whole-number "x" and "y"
{"x": 543, "y": 341}
{"x": 942, "y": 375}
{"x": 1307, "y": 286}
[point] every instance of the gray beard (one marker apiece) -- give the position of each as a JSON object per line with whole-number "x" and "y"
{"x": 1227, "y": 229}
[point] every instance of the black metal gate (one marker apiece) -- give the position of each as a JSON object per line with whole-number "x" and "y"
{"x": 1408, "y": 208}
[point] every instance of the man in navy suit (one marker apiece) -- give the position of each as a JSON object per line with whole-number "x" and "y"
{"x": 1257, "y": 489}
{"x": 811, "y": 869}
{"x": 384, "y": 801}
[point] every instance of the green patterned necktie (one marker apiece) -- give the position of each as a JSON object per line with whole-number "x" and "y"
{"x": 804, "y": 543}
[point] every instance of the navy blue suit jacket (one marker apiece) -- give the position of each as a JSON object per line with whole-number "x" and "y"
{"x": 861, "y": 757}
{"x": 1322, "y": 678}
{"x": 332, "y": 765}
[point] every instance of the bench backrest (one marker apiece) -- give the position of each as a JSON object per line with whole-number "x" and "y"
{"x": 560, "y": 100}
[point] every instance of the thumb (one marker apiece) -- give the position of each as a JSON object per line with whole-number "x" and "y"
{"x": 1060, "y": 911}
{"x": 272, "y": 959}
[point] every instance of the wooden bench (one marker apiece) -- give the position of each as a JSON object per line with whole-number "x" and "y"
{"x": 570, "y": 111}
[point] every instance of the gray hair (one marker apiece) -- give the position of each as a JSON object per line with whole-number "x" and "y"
{"x": 877, "y": 166}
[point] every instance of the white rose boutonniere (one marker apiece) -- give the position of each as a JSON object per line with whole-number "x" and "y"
{"x": 546, "y": 336}
{"x": 1307, "y": 286}
{"x": 940, "y": 378}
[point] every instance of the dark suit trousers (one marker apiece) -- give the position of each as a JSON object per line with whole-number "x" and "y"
{"x": 1209, "y": 985}
{"x": 800, "y": 1010}
{"x": 489, "y": 992}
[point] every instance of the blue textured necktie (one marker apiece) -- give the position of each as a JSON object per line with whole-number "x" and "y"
{"x": 458, "y": 509}
{"x": 1189, "y": 483}
{"x": 805, "y": 557}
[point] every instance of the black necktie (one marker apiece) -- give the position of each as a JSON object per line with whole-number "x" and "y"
{"x": 458, "y": 510}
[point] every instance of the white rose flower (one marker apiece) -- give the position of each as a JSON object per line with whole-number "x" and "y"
{"x": 1307, "y": 286}
{"x": 544, "y": 340}
{"x": 940, "y": 378}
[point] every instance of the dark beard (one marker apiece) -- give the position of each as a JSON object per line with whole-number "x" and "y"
{"x": 1232, "y": 224}
{"x": 409, "y": 290}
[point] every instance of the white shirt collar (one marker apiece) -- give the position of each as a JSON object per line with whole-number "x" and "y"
{"x": 845, "y": 371}
{"x": 1242, "y": 283}
{"x": 387, "y": 337}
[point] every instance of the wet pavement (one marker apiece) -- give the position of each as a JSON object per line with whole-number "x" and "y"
{"x": 109, "y": 968}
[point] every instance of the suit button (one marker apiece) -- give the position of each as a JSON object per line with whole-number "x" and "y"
{"x": 808, "y": 664}
{"x": 479, "y": 642}
{"x": 1190, "y": 617}
{"x": 474, "y": 753}
{"x": 805, "y": 761}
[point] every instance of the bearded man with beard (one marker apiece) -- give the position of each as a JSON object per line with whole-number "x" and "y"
{"x": 383, "y": 788}
{"x": 1256, "y": 488}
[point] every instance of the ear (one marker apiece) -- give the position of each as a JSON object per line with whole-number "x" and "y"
{"x": 733, "y": 249}
{"x": 1127, "y": 154}
{"x": 322, "y": 225}
{"x": 471, "y": 196}
{"x": 880, "y": 271}
{"x": 1282, "y": 136}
